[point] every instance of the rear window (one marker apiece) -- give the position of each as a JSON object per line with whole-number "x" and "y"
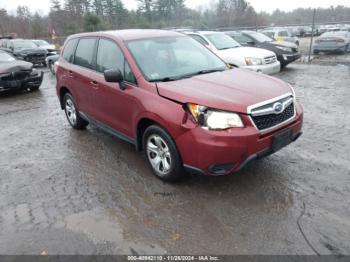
{"x": 84, "y": 55}
{"x": 68, "y": 52}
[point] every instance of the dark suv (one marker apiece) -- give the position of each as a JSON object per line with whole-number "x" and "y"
{"x": 174, "y": 99}
{"x": 25, "y": 50}
{"x": 286, "y": 52}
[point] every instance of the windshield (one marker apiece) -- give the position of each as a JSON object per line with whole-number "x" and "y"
{"x": 23, "y": 44}
{"x": 260, "y": 37}
{"x": 5, "y": 57}
{"x": 40, "y": 42}
{"x": 222, "y": 41}
{"x": 170, "y": 58}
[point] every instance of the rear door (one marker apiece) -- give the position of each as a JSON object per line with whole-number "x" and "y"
{"x": 81, "y": 74}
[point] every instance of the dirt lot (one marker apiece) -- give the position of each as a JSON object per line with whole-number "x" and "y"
{"x": 84, "y": 192}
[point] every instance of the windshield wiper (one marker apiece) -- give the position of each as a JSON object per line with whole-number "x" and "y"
{"x": 202, "y": 72}
{"x": 171, "y": 78}
{"x": 174, "y": 78}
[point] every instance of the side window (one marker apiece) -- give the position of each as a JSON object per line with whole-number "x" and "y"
{"x": 282, "y": 33}
{"x": 68, "y": 52}
{"x": 200, "y": 39}
{"x": 128, "y": 74}
{"x": 84, "y": 55}
{"x": 109, "y": 56}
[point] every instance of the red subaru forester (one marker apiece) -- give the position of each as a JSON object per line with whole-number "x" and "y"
{"x": 175, "y": 100}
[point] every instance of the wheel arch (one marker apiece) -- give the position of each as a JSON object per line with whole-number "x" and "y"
{"x": 62, "y": 92}
{"x": 143, "y": 123}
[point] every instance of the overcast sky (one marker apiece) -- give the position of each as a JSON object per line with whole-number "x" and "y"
{"x": 259, "y": 5}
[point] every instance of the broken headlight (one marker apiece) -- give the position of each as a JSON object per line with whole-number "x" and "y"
{"x": 214, "y": 119}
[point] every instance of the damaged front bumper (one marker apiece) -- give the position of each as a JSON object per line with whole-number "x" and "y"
{"x": 10, "y": 83}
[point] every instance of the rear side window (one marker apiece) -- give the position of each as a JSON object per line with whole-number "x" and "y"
{"x": 68, "y": 52}
{"x": 200, "y": 39}
{"x": 84, "y": 55}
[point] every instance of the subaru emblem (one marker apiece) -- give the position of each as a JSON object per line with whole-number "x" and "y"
{"x": 278, "y": 107}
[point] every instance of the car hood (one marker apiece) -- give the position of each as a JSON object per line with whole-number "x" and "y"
{"x": 231, "y": 90}
{"x": 284, "y": 44}
{"x": 30, "y": 51}
{"x": 244, "y": 52}
{"x": 15, "y": 66}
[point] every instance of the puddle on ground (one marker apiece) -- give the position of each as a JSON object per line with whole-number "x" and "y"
{"x": 102, "y": 226}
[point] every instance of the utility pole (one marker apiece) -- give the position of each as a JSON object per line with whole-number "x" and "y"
{"x": 312, "y": 35}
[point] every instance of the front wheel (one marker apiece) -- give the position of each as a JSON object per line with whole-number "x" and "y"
{"x": 162, "y": 154}
{"x": 51, "y": 67}
{"x": 72, "y": 113}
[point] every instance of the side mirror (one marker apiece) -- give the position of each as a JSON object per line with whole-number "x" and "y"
{"x": 251, "y": 43}
{"x": 113, "y": 76}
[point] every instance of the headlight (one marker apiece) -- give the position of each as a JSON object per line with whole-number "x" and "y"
{"x": 287, "y": 49}
{"x": 34, "y": 72}
{"x": 252, "y": 61}
{"x": 214, "y": 119}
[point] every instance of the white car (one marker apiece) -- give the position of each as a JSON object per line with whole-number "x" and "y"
{"x": 256, "y": 59}
{"x": 281, "y": 35}
{"x": 51, "y": 49}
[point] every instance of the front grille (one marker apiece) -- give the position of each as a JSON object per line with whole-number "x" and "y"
{"x": 36, "y": 58}
{"x": 271, "y": 120}
{"x": 20, "y": 75}
{"x": 270, "y": 60}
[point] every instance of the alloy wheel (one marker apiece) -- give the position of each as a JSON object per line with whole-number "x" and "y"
{"x": 158, "y": 154}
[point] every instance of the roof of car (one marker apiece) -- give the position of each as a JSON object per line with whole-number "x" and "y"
{"x": 132, "y": 34}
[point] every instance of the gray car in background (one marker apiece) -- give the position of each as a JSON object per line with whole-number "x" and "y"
{"x": 338, "y": 41}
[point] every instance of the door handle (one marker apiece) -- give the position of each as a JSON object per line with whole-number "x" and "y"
{"x": 94, "y": 84}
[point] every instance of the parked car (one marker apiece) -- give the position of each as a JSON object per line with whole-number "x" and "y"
{"x": 286, "y": 52}
{"x": 51, "y": 49}
{"x": 25, "y": 50}
{"x": 233, "y": 53}
{"x": 174, "y": 99}
{"x": 332, "y": 42}
{"x": 50, "y": 62}
{"x": 17, "y": 75}
{"x": 281, "y": 35}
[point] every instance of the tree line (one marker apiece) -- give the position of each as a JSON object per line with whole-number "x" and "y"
{"x": 73, "y": 16}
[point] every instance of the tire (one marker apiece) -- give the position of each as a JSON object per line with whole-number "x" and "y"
{"x": 35, "y": 88}
{"x": 162, "y": 154}
{"x": 72, "y": 113}
{"x": 51, "y": 67}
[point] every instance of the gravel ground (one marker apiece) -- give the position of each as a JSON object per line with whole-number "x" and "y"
{"x": 84, "y": 192}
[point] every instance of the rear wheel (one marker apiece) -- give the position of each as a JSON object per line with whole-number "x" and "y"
{"x": 72, "y": 113}
{"x": 162, "y": 154}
